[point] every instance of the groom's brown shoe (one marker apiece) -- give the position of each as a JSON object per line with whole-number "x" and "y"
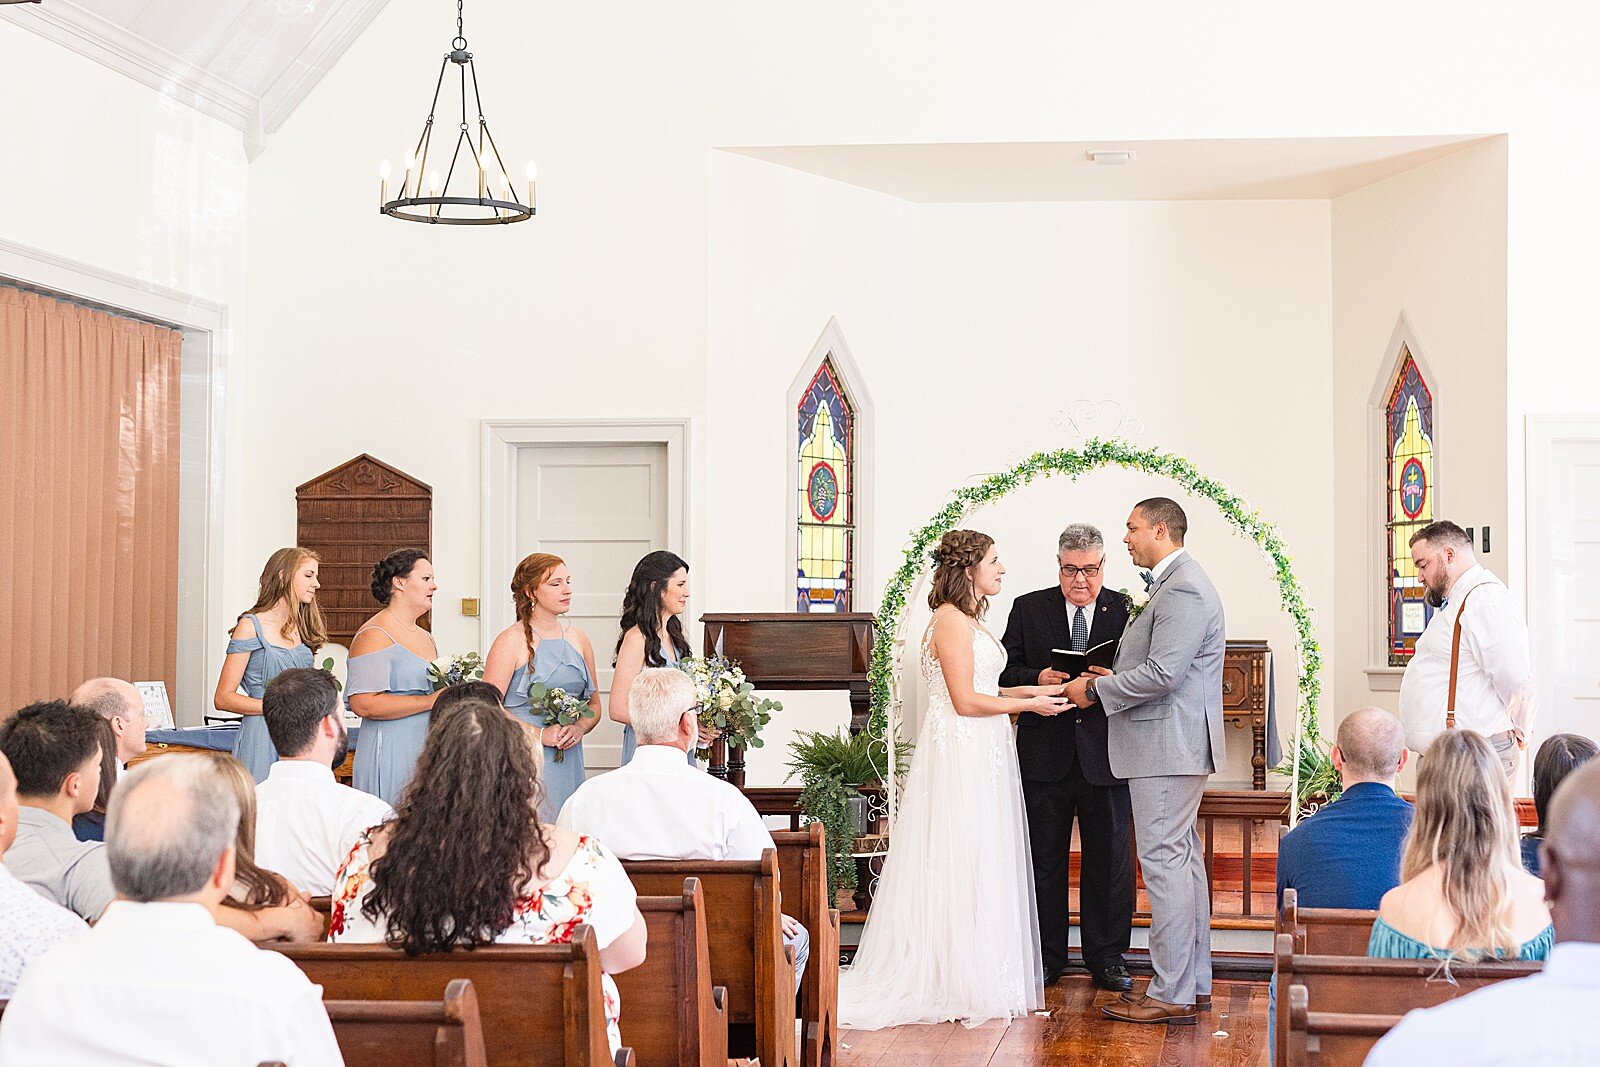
{"x": 1202, "y": 1001}
{"x": 1149, "y": 1010}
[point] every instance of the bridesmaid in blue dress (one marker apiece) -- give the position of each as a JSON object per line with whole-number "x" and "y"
{"x": 652, "y": 635}
{"x": 541, "y": 647}
{"x": 283, "y": 630}
{"x": 388, "y": 683}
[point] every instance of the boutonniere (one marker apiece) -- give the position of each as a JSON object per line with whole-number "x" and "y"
{"x": 1136, "y": 603}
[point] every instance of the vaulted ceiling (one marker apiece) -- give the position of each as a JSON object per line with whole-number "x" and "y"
{"x": 247, "y": 62}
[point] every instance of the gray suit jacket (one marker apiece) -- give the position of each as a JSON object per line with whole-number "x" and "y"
{"x": 1164, "y": 702}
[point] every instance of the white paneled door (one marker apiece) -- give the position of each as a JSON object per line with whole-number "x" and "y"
{"x": 1564, "y": 573}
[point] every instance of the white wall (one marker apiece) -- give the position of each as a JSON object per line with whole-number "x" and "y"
{"x": 1430, "y": 243}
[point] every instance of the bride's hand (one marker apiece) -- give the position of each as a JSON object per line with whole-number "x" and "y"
{"x": 1047, "y": 705}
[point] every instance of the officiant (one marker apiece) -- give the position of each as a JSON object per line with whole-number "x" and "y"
{"x": 1066, "y": 773}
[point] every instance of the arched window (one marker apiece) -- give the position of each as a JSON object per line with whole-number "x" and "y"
{"x": 1410, "y": 486}
{"x": 826, "y": 485}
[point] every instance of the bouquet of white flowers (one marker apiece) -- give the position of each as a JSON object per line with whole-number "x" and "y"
{"x": 726, "y": 703}
{"x": 451, "y": 670}
{"x": 559, "y": 708}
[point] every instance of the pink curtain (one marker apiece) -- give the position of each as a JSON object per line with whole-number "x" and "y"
{"x": 88, "y": 498}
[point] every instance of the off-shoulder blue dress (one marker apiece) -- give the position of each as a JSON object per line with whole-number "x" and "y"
{"x": 253, "y": 747}
{"x": 386, "y": 754}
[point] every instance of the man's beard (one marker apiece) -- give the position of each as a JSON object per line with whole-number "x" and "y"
{"x": 1435, "y": 594}
{"x": 344, "y": 746}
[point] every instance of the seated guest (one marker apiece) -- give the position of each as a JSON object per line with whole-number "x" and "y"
{"x": 91, "y": 825}
{"x": 29, "y": 924}
{"x": 1465, "y": 894}
{"x": 157, "y": 980}
{"x": 306, "y": 822}
{"x": 466, "y": 862}
{"x": 1348, "y": 854}
{"x": 1559, "y": 756}
{"x": 120, "y": 704}
{"x": 55, "y": 753}
{"x": 658, "y": 807}
{"x": 256, "y": 890}
{"x": 1546, "y": 1018}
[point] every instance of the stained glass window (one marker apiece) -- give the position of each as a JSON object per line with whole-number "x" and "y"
{"x": 826, "y": 480}
{"x": 1410, "y": 486}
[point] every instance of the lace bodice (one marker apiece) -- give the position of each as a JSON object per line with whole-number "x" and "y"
{"x": 988, "y": 660}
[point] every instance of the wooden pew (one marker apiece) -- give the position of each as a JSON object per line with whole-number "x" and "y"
{"x": 1325, "y": 931}
{"x": 671, "y": 1012}
{"x": 1350, "y": 985}
{"x": 324, "y": 907}
{"x": 747, "y": 953}
{"x": 1331, "y": 1039}
{"x": 803, "y": 876}
{"x": 541, "y": 1005}
{"x": 411, "y": 1033}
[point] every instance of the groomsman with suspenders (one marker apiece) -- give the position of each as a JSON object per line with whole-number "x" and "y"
{"x": 1471, "y": 666}
{"x": 1065, "y": 770}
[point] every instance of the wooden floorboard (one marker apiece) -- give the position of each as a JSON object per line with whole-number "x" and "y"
{"x": 1234, "y": 1033}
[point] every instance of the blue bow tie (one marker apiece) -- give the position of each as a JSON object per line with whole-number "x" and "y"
{"x": 1149, "y": 580}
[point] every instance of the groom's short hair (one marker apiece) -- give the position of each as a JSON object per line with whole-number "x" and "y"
{"x": 1080, "y": 537}
{"x": 1160, "y": 509}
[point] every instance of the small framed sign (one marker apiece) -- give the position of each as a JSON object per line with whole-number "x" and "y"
{"x": 157, "y": 708}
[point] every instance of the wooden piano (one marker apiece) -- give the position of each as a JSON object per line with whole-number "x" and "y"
{"x": 789, "y": 650}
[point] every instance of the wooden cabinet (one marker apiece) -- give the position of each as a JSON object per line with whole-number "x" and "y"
{"x": 352, "y": 517}
{"x": 1244, "y": 700}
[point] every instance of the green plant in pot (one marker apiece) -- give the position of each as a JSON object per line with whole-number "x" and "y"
{"x": 1319, "y": 778}
{"x": 834, "y": 768}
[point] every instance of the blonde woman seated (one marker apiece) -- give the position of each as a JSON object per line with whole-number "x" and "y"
{"x": 465, "y": 861}
{"x": 1463, "y": 894}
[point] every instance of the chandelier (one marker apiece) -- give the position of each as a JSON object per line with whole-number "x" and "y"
{"x": 474, "y": 167}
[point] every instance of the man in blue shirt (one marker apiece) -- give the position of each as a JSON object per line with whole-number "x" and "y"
{"x": 1348, "y": 854}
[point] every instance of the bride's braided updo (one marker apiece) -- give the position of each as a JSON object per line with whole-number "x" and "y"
{"x": 957, "y": 551}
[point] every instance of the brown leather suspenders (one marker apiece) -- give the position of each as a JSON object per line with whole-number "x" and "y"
{"x": 1455, "y": 662}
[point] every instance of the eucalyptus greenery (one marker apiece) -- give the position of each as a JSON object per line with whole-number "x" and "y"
{"x": 1073, "y": 463}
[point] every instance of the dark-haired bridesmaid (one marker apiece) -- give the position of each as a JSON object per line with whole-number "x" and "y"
{"x": 388, "y": 683}
{"x": 652, "y": 635}
{"x": 284, "y": 629}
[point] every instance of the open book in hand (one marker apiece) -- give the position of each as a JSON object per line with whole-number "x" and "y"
{"x": 1072, "y": 663}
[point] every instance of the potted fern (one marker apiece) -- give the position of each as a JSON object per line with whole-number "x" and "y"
{"x": 840, "y": 775}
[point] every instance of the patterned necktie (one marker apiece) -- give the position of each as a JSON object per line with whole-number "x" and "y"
{"x": 1080, "y": 632}
{"x": 1149, "y": 580}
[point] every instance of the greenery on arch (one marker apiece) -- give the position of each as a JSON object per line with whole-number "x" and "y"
{"x": 1073, "y": 463}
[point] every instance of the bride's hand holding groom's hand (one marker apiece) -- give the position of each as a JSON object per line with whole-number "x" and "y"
{"x": 1077, "y": 690}
{"x": 1048, "y": 701}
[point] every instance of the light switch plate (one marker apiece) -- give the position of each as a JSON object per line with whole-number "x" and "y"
{"x": 469, "y": 606}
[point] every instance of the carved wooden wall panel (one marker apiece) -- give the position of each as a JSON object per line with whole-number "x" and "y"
{"x": 352, "y": 517}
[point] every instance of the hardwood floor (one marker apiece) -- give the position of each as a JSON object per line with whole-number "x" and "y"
{"x": 1234, "y": 1032}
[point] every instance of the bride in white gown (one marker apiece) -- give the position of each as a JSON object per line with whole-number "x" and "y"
{"x": 953, "y": 932}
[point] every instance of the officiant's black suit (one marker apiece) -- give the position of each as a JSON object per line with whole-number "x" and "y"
{"x": 1066, "y": 774}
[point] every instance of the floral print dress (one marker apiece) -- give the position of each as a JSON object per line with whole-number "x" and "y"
{"x": 591, "y": 889}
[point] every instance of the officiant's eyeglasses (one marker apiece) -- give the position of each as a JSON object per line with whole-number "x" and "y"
{"x": 1091, "y": 571}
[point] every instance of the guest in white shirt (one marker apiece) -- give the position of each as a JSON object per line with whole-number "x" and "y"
{"x": 120, "y": 704}
{"x": 29, "y": 924}
{"x": 157, "y": 980}
{"x": 1494, "y": 678}
{"x": 306, "y": 822}
{"x": 55, "y": 753}
{"x": 1544, "y": 1019}
{"x": 658, "y": 807}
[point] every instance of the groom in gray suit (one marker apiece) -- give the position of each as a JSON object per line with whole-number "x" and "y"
{"x": 1163, "y": 708}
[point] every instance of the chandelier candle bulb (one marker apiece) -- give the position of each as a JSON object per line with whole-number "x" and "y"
{"x": 383, "y": 183}
{"x": 533, "y": 173}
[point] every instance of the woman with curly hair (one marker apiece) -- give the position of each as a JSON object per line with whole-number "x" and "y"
{"x": 465, "y": 861}
{"x": 652, "y": 635}
{"x": 953, "y": 932}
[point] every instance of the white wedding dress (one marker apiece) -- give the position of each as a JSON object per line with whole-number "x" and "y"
{"x": 953, "y": 932}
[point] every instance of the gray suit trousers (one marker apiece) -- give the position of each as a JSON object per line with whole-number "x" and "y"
{"x": 1173, "y": 862}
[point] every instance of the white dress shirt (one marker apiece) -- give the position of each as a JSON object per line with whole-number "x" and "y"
{"x": 1545, "y": 1019}
{"x": 659, "y": 808}
{"x": 29, "y": 924}
{"x": 307, "y": 823}
{"x": 1494, "y": 683}
{"x": 1164, "y": 566}
{"x": 163, "y": 983}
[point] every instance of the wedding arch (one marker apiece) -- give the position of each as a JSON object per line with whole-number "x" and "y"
{"x": 888, "y": 651}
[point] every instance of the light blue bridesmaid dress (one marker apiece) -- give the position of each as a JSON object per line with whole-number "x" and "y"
{"x": 253, "y": 747}
{"x": 630, "y": 742}
{"x": 558, "y": 664}
{"x": 387, "y": 751}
